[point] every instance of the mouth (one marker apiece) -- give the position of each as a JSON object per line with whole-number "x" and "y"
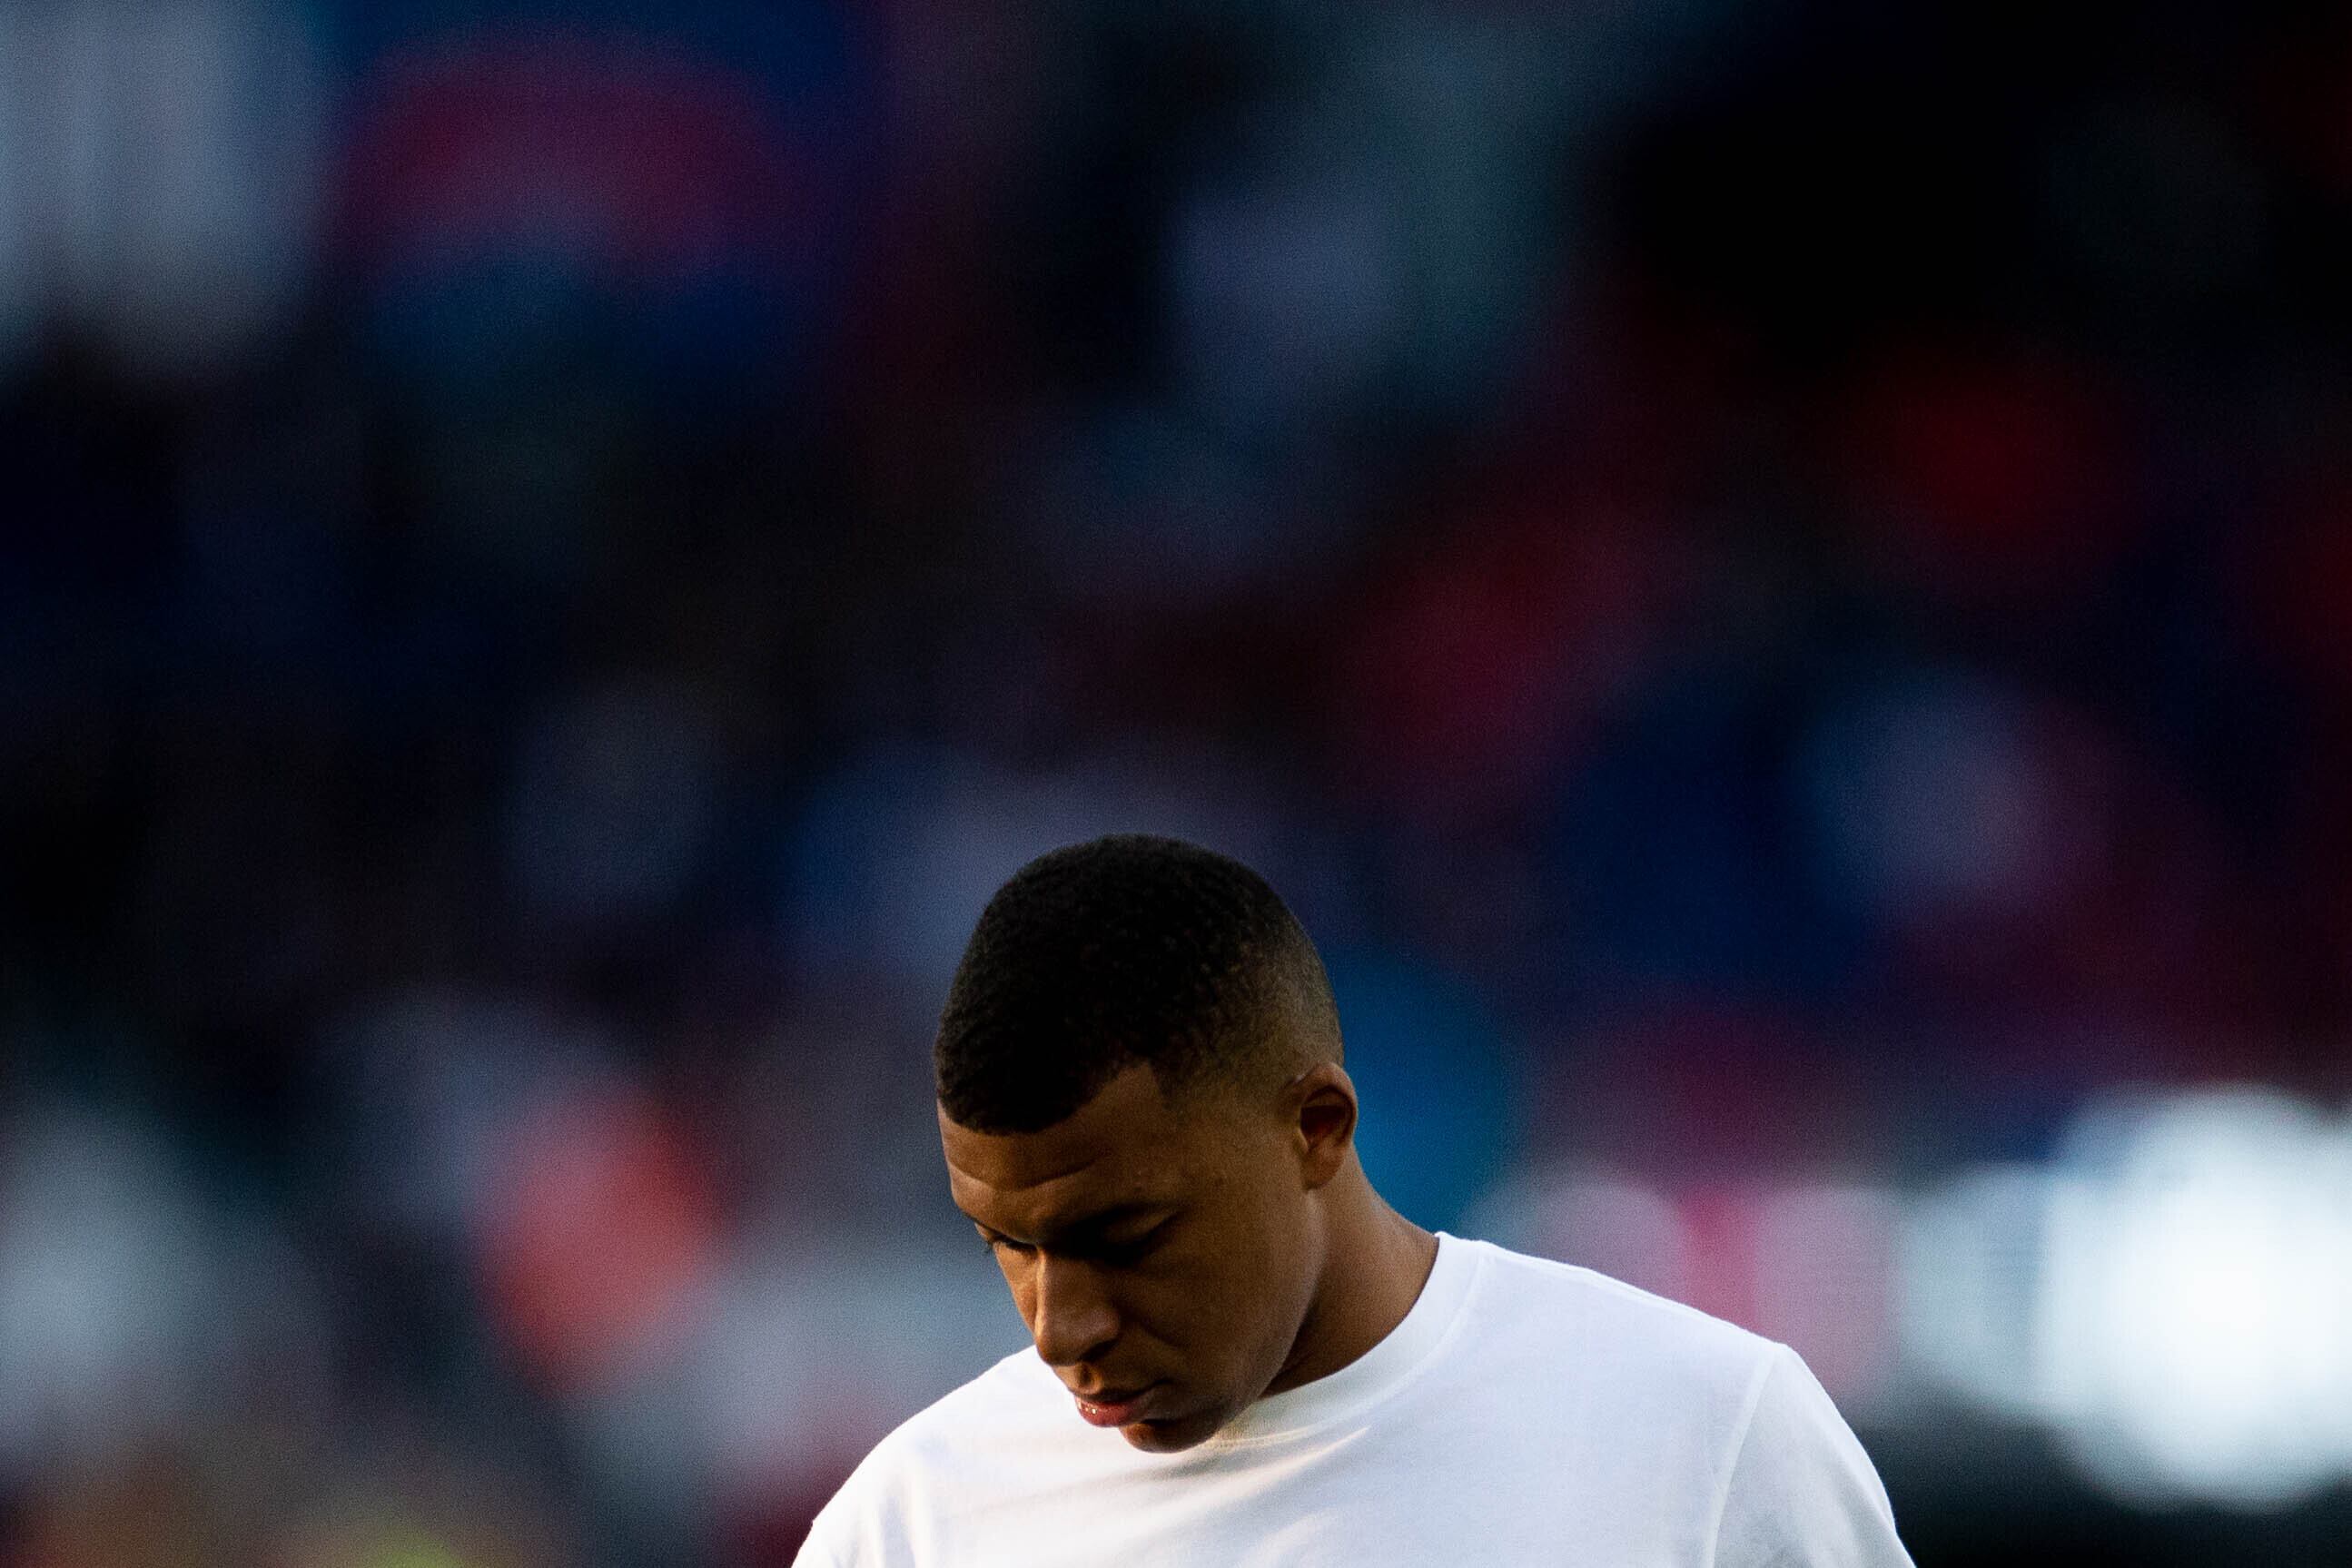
{"x": 1113, "y": 1406}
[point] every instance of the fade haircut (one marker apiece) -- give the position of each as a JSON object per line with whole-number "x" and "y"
{"x": 1127, "y": 949}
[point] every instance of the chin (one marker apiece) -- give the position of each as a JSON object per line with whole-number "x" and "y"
{"x": 1172, "y": 1437}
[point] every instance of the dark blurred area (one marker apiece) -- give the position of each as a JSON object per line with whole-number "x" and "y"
{"x": 1771, "y": 581}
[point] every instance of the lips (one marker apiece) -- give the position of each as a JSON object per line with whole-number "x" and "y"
{"x": 1113, "y": 1406}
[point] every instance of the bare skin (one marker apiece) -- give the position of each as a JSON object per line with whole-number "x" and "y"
{"x": 1176, "y": 1261}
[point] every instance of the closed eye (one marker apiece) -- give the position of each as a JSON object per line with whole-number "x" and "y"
{"x": 1118, "y": 1254}
{"x": 1090, "y": 1248}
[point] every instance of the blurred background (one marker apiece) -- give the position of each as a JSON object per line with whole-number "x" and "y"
{"x": 1772, "y": 578}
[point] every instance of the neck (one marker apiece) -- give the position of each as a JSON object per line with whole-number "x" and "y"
{"x": 1374, "y": 1266}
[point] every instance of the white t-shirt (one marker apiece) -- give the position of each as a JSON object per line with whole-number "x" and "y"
{"x": 1524, "y": 1412}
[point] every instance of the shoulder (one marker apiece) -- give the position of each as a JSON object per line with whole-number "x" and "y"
{"x": 1544, "y": 1321}
{"x": 880, "y": 1508}
{"x": 968, "y": 1419}
{"x": 1608, "y": 1315}
{"x": 1788, "y": 1480}
{"x": 976, "y": 1415}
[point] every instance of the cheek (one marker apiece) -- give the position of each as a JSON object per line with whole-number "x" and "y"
{"x": 1285, "y": 1269}
{"x": 1025, "y": 1293}
{"x": 1261, "y": 1291}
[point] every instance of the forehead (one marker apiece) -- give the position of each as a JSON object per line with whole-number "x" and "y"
{"x": 1125, "y": 1146}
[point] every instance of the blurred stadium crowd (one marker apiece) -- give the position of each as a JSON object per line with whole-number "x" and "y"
{"x": 1770, "y": 580}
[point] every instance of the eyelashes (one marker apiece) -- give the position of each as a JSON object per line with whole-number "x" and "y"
{"x": 1135, "y": 1251}
{"x": 1112, "y": 1254}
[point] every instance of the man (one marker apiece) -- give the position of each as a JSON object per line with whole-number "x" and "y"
{"x": 1242, "y": 1354}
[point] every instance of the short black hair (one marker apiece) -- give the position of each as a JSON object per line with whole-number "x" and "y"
{"x": 1126, "y": 949}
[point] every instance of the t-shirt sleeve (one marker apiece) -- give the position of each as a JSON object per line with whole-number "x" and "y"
{"x": 832, "y": 1538}
{"x": 864, "y": 1524}
{"x": 816, "y": 1554}
{"x": 1801, "y": 1492}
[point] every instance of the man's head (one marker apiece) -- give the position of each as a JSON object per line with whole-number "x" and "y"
{"x": 1142, "y": 1109}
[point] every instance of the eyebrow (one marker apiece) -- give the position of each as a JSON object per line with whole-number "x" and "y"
{"x": 1086, "y": 1226}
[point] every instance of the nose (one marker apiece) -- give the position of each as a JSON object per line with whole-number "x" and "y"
{"x": 1071, "y": 1317}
